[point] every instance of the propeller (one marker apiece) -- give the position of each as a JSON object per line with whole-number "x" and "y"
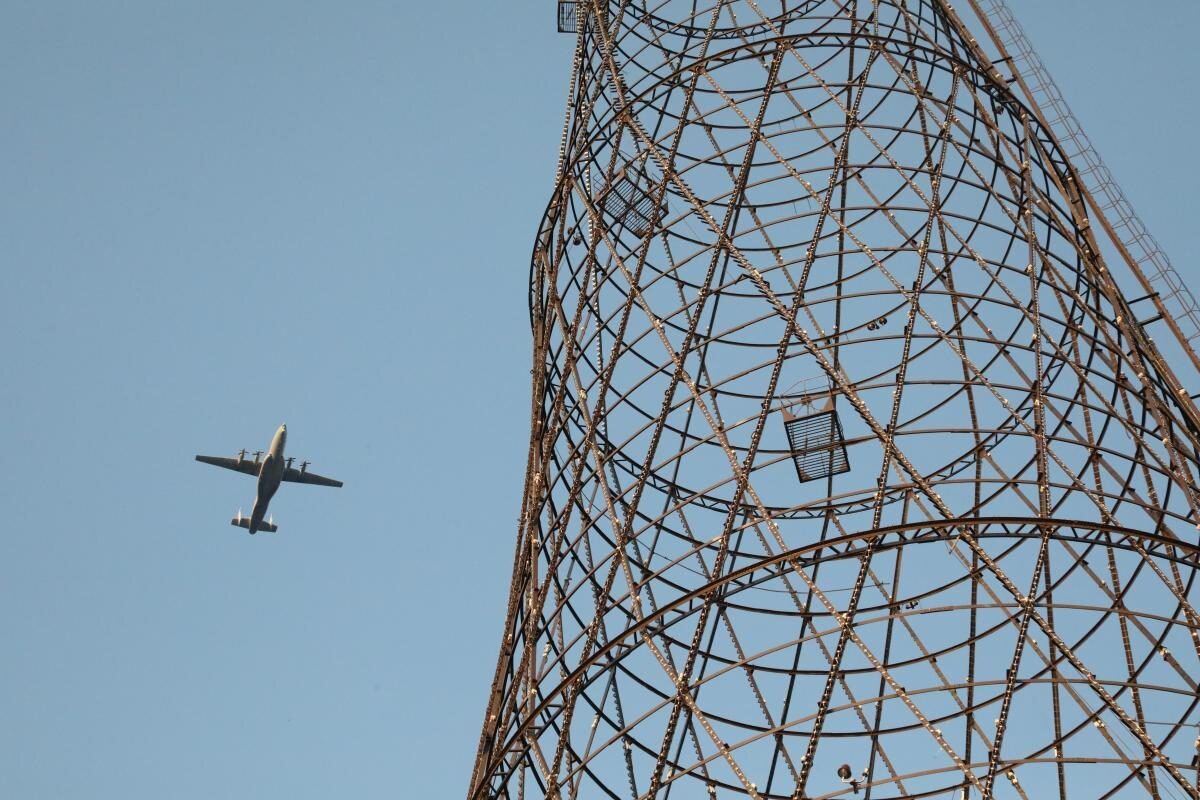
{"x": 257, "y": 454}
{"x": 304, "y": 465}
{"x": 242, "y": 454}
{"x": 290, "y": 460}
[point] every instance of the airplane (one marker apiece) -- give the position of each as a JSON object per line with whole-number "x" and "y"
{"x": 271, "y": 471}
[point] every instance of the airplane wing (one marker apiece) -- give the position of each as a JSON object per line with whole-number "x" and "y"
{"x": 244, "y": 465}
{"x": 304, "y": 476}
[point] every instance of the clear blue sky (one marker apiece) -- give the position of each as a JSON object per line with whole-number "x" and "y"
{"x": 220, "y": 216}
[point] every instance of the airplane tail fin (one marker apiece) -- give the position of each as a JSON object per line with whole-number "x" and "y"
{"x": 244, "y": 522}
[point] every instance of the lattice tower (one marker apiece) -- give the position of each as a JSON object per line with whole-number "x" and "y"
{"x": 851, "y": 470}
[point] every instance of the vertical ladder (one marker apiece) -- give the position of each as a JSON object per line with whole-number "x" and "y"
{"x": 1150, "y": 265}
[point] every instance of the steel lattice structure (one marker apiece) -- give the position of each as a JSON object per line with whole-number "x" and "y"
{"x": 847, "y": 448}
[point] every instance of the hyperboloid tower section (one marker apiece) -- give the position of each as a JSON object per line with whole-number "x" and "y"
{"x": 854, "y": 469}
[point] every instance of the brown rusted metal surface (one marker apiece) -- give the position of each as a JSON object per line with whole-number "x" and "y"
{"x": 995, "y": 597}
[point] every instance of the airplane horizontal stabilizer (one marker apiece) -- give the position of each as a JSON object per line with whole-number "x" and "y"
{"x": 244, "y": 522}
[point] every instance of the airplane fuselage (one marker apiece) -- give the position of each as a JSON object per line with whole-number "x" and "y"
{"x": 270, "y": 475}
